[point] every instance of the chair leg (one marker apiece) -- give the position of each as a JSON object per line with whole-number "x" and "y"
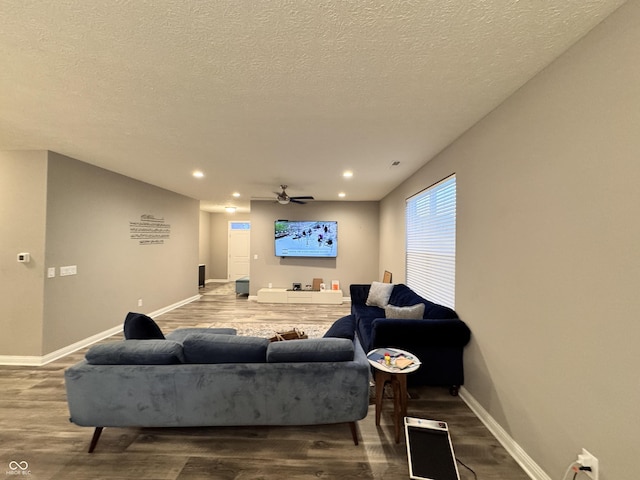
{"x": 354, "y": 432}
{"x": 95, "y": 438}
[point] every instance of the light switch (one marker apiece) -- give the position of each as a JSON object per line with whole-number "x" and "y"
{"x": 68, "y": 270}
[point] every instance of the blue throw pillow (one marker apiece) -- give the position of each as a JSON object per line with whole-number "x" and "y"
{"x": 138, "y": 326}
{"x": 344, "y": 327}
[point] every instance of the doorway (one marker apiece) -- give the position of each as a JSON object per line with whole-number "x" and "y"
{"x": 239, "y": 250}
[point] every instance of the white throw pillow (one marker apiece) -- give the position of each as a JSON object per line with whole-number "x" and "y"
{"x": 379, "y": 294}
{"x": 412, "y": 312}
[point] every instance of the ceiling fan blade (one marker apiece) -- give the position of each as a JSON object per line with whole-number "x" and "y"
{"x": 295, "y": 200}
{"x": 303, "y": 198}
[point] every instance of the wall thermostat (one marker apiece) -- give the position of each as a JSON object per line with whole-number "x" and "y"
{"x": 24, "y": 257}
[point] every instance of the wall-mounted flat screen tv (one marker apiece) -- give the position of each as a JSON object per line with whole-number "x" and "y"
{"x": 294, "y": 238}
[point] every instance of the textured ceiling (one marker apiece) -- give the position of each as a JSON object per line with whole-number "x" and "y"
{"x": 256, "y": 94}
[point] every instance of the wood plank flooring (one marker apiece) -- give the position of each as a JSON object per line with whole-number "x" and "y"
{"x": 34, "y": 426}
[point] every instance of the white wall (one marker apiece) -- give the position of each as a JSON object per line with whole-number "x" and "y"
{"x": 548, "y": 273}
{"x": 358, "y": 235}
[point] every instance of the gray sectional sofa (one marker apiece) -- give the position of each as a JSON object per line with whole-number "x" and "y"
{"x": 207, "y": 378}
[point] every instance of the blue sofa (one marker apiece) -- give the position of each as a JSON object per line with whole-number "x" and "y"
{"x": 198, "y": 378}
{"x": 438, "y": 338}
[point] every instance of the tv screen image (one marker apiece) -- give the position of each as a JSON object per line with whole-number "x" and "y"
{"x": 306, "y": 238}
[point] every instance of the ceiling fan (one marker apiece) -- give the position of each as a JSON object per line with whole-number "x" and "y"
{"x": 283, "y": 198}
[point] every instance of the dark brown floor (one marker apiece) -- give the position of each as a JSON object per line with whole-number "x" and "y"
{"x": 34, "y": 426}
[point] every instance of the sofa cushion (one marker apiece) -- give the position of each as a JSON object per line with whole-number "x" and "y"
{"x": 434, "y": 311}
{"x": 403, "y": 296}
{"x": 179, "y": 334}
{"x": 344, "y": 327}
{"x": 311, "y": 350}
{"x": 136, "y": 352}
{"x": 379, "y": 294}
{"x": 208, "y": 348}
{"x": 412, "y": 312}
{"x": 138, "y": 326}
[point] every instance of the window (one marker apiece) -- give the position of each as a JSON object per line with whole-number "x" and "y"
{"x": 240, "y": 225}
{"x": 431, "y": 242}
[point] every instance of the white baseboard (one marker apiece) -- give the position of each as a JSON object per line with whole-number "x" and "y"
{"x": 38, "y": 361}
{"x": 157, "y": 313}
{"x": 531, "y": 468}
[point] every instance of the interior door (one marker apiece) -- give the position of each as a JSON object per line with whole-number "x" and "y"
{"x": 239, "y": 247}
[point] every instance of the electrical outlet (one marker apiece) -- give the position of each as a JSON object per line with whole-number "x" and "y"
{"x": 139, "y": 302}
{"x": 585, "y": 459}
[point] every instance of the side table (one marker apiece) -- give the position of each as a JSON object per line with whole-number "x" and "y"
{"x": 397, "y": 377}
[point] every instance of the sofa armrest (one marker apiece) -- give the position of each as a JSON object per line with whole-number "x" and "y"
{"x": 359, "y": 293}
{"x": 401, "y": 333}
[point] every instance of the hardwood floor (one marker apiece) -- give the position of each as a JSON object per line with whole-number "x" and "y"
{"x": 34, "y": 426}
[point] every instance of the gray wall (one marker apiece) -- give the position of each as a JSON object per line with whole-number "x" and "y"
{"x": 358, "y": 234}
{"x": 23, "y": 190}
{"x": 88, "y": 211}
{"x": 547, "y": 253}
{"x": 204, "y": 244}
{"x": 214, "y": 241}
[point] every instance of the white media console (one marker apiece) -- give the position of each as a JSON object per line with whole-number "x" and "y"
{"x": 282, "y": 295}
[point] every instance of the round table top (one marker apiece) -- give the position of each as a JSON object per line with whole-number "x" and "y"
{"x": 375, "y": 355}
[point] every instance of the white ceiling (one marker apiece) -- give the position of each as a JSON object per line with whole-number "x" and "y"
{"x": 256, "y": 94}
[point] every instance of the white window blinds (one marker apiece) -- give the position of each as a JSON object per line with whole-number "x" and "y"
{"x": 431, "y": 242}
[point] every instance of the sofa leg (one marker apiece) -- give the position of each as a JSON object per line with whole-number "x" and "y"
{"x": 95, "y": 438}
{"x": 354, "y": 432}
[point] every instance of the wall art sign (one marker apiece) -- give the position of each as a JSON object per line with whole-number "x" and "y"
{"x": 150, "y": 230}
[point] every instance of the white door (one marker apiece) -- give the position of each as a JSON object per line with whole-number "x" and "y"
{"x": 239, "y": 247}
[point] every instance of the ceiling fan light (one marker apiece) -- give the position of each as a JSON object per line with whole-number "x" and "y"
{"x": 283, "y": 201}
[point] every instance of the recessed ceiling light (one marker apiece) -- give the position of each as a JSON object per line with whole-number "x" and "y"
{"x": 236, "y": 194}
{"x": 342, "y": 194}
{"x": 230, "y": 209}
{"x": 347, "y": 174}
{"x": 198, "y": 174}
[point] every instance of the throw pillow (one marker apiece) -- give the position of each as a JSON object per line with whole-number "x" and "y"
{"x": 344, "y": 327}
{"x": 379, "y": 294}
{"x": 311, "y": 350}
{"x": 140, "y": 327}
{"x": 135, "y": 352}
{"x": 208, "y": 348}
{"x": 413, "y": 312}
